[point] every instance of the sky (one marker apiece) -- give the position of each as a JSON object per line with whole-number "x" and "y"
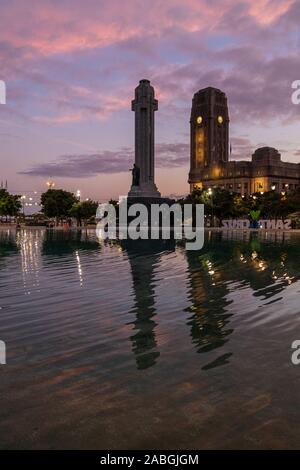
{"x": 70, "y": 69}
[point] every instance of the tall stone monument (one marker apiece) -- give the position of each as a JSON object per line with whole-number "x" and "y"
{"x": 144, "y": 105}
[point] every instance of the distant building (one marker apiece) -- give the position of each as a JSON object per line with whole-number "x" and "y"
{"x": 210, "y": 165}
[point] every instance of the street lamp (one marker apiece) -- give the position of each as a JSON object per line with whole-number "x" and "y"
{"x": 23, "y": 203}
{"x": 210, "y": 192}
{"x": 78, "y": 194}
{"x": 50, "y": 184}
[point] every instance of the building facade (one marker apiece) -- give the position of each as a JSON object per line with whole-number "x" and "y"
{"x": 209, "y": 160}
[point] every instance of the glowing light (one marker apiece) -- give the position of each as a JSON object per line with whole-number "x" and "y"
{"x": 79, "y": 267}
{"x": 199, "y": 141}
{"x": 50, "y": 184}
{"x": 220, "y": 120}
{"x": 199, "y": 120}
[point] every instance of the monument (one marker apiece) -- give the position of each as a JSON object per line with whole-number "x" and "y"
{"x": 144, "y": 105}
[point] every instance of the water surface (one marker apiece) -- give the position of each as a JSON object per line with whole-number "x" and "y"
{"x": 145, "y": 345}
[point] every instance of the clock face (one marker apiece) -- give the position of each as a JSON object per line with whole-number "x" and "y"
{"x": 199, "y": 120}
{"x": 220, "y": 120}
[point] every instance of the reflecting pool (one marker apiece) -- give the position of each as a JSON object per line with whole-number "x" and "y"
{"x": 128, "y": 345}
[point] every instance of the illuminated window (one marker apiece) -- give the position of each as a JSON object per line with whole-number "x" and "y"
{"x": 199, "y": 146}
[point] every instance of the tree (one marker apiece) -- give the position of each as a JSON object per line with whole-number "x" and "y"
{"x": 82, "y": 211}
{"x": 10, "y": 204}
{"x": 272, "y": 204}
{"x": 217, "y": 202}
{"x": 225, "y": 204}
{"x": 222, "y": 203}
{"x": 57, "y": 203}
{"x": 293, "y": 201}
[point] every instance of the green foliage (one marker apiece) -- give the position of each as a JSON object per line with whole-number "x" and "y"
{"x": 57, "y": 203}
{"x": 219, "y": 202}
{"x": 10, "y": 204}
{"x": 83, "y": 210}
{"x": 225, "y": 204}
{"x": 293, "y": 201}
{"x": 255, "y": 215}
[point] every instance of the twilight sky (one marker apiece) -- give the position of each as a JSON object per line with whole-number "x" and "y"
{"x": 71, "y": 66}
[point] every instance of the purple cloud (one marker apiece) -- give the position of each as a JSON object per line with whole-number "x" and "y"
{"x": 108, "y": 162}
{"x": 71, "y": 72}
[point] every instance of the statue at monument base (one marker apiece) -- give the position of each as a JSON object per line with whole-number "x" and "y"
{"x": 144, "y": 190}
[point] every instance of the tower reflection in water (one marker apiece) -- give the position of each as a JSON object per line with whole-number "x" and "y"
{"x": 209, "y": 318}
{"x": 144, "y": 256}
{"x": 206, "y": 298}
{"x": 231, "y": 281}
{"x": 216, "y": 279}
{"x": 220, "y": 273}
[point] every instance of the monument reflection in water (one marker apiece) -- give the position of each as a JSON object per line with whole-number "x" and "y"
{"x": 145, "y": 345}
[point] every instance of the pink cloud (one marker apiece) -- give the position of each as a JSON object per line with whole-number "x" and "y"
{"x": 169, "y": 155}
{"x": 49, "y": 28}
{"x": 267, "y": 11}
{"x": 62, "y": 119}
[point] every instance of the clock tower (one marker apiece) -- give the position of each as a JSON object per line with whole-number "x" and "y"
{"x": 209, "y": 132}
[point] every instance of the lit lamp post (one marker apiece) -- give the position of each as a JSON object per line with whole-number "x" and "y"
{"x": 78, "y": 194}
{"x": 50, "y": 184}
{"x": 23, "y": 203}
{"x": 210, "y": 192}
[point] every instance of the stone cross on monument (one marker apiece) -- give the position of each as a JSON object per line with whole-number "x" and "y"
{"x": 144, "y": 105}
